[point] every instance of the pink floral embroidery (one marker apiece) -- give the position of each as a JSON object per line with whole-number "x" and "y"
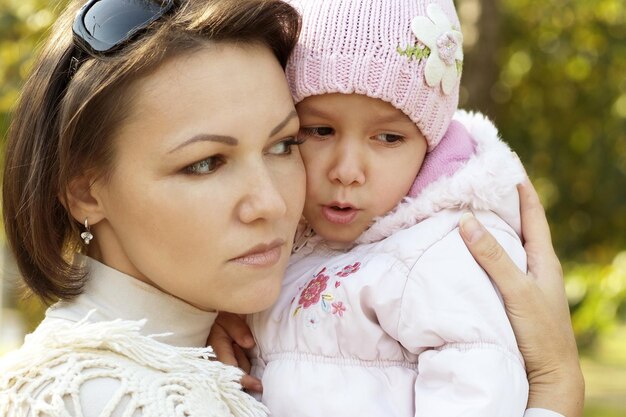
{"x": 313, "y": 291}
{"x": 337, "y": 284}
{"x": 349, "y": 269}
{"x": 338, "y": 308}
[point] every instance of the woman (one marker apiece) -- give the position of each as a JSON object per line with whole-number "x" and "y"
{"x": 175, "y": 154}
{"x": 151, "y": 178}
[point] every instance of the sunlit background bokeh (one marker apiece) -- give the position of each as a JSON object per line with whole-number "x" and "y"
{"x": 552, "y": 75}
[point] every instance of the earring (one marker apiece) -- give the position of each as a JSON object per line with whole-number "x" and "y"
{"x": 86, "y": 236}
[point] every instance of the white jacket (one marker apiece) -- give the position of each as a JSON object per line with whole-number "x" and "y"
{"x": 405, "y": 323}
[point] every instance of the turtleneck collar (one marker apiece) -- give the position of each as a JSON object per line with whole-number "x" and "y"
{"x": 115, "y": 295}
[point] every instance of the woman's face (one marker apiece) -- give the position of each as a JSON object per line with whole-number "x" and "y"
{"x": 207, "y": 186}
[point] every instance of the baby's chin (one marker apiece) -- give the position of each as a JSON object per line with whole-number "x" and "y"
{"x": 337, "y": 238}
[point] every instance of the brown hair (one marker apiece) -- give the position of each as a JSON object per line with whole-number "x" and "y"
{"x": 63, "y": 124}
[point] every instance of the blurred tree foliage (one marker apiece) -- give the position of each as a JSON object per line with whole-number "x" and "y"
{"x": 22, "y": 26}
{"x": 559, "y": 98}
{"x": 552, "y": 75}
{"x": 596, "y": 293}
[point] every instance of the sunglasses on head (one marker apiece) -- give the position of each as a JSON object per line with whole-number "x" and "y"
{"x": 104, "y": 26}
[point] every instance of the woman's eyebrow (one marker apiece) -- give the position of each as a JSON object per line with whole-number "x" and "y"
{"x": 282, "y": 124}
{"x": 228, "y": 140}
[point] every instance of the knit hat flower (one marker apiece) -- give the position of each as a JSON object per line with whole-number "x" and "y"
{"x": 445, "y": 43}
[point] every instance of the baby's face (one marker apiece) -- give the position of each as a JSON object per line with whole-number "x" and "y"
{"x": 361, "y": 157}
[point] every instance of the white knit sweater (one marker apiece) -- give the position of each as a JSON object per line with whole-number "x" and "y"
{"x": 121, "y": 349}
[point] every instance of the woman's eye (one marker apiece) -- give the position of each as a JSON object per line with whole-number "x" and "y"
{"x": 389, "y": 138}
{"x": 206, "y": 166}
{"x": 319, "y": 132}
{"x": 284, "y": 147}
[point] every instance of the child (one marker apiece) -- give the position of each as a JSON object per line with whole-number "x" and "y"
{"x": 383, "y": 310}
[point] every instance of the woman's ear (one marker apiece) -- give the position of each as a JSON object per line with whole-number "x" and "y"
{"x": 82, "y": 201}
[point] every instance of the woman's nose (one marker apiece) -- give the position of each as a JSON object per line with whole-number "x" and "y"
{"x": 263, "y": 199}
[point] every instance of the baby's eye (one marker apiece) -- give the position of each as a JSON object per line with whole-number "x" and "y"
{"x": 389, "y": 138}
{"x": 284, "y": 147}
{"x": 206, "y": 166}
{"x": 320, "y": 131}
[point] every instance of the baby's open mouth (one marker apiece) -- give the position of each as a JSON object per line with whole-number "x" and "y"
{"x": 339, "y": 214}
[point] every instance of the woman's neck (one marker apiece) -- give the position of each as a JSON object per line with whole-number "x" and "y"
{"x": 112, "y": 295}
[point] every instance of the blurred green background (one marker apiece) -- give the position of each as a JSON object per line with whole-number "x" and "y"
{"x": 552, "y": 75}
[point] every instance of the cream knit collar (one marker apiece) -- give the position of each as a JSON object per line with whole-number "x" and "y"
{"x": 115, "y": 295}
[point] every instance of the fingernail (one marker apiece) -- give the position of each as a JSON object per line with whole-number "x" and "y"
{"x": 257, "y": 387}
{"x": 470, "y": 228}
{"x": 249, "y": 341}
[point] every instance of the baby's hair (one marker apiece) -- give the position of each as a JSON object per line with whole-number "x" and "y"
{"x": 63, "y": 123}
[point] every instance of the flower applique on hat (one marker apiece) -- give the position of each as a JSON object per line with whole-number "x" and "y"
{"x": 440, "y": 44}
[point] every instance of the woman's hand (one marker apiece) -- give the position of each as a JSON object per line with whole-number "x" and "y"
{"x": 229, "y": 334}
{"x": 536, "y": 306}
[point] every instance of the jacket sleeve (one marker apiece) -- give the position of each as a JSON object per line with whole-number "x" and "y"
{"x": 452, "y": 317}
{"x": 541, "y": 412}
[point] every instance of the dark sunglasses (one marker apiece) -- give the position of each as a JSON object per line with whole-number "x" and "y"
{"x": 104, "y": 26}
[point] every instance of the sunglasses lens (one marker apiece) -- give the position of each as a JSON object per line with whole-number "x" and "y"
{"x": 111, "y": 22}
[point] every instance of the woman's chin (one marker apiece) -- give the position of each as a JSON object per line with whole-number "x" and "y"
{"x": 257, "y": 299}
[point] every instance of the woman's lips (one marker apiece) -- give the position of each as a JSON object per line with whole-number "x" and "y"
{"x": 337, "y": 215}
{"x": 262, "y": 255}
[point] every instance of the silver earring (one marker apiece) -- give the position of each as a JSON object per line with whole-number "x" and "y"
{"x": 86, "y": 236}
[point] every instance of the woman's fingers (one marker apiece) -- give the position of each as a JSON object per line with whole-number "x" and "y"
{"x": 543, "y": 265}
{"x": 534, "y": 221}
{"x": 222, "y": 345}
{"x": 535, "y": 229}
{"x": 228, "y": 333}
{"x": 242, "y": 359}
{"x": 252, "y": 384}
{"x": 248, "y": 382}
{"x": 227, "y": 330}
{"x": 489, "y": 254}
{"x": 236, "y": 327}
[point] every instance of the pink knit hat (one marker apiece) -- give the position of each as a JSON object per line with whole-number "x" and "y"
{"x": 405, "y": 52}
